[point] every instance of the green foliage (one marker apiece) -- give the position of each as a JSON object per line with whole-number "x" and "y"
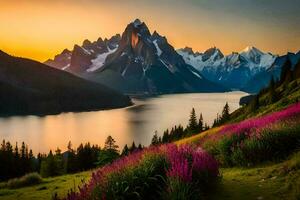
{"x": 225, "y": 112}
{"x": 193, "y": 124}
{"x": 52, "y": 165}
{"x": 286, "y": 72}
{"x": 87, "y": 156}
{"x": 179, "y": 190}
{"x": 271, "y": 145}
{"x": 26, "y": 180}
{"x": 273, "y": 94}
{"x": 145, "y": 180}
{"x": 16, "y": 162}
{"x": 254, "y": 104}
{"x": 226, "y": 146}
{"x": 285, "y": 95}
{"x": 178, "y": 132}
{"x": 125, "y": 151}
{"x": 106, "y": 157}
{"x": 200, "y": 123}
{"x": 110, "y": 144}
{"x": 133, "y": 147}
{"x": 224, "y": 117}
{"x": 155, "y": 139}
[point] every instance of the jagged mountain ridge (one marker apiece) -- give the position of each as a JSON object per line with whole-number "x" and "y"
{"x": 233, "y": 70}
{"x": 87, "y": 57}
{"x": 262, "y": 79}
{"x": 139, "y": 62}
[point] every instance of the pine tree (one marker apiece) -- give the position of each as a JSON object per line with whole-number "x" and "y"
{"x": 23, "y": 151}
{"x": 140, "y": 147}
{"x": 206, "y": 127}
{"x": 17, "y": 156}
{"x": 254, "y": 105}
{"x": 193, "y": 121}
{"x": 273, "y": 96}
{"x": 58, "y": 152}
{"x": 70, "y": 147}
{"x": 166, "y": 136}
{"x": 225, "y": 113}
{"x": 110, "y": 144}
{"x": 155, "y": 139}
{"x": 297, "y": 70}
{"x": 286, "y": 72}
{"x": 133, "y": 147}
{"x": 200, "y": 124}
{"x": 125, "y": 150}
{"x": 159, "y": 140}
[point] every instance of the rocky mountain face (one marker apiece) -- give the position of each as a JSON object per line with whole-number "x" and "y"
{"x": 137, "y": 62}
{"x": 85, "y": 58}
{"x": 234, "y": 70}
{"x": 142, "y": 62}
{"x": 30, "y": 87}
{"x": 262, "y": 79}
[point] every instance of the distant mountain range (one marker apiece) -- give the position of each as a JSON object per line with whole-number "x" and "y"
{"x": 249, "y": 70}
{"x": 136, "y": 62}
{"x": 262, "y": 79}
{"x": 141, "y": 62}
{"x": 30, "y": 87}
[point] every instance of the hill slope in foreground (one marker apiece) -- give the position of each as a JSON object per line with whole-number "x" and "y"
{"x": 267, "y": 181}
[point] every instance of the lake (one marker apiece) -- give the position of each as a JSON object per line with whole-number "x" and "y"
{"x": 136, "y": 123}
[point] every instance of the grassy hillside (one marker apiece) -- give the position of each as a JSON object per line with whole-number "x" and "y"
{"x": 289, "y": 94}
{"x": 45, "y": 190}
{"x": 270, "y": 181}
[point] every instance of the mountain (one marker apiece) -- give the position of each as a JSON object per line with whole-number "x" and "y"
{"x": 233, "y": 70}
{"x": 86, "y": 58}
{"x": 137, "y": 62}
{"x": 30, "y": 87}
{"x": 262, "y": 79}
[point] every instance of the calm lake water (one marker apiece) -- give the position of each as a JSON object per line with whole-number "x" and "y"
{"x": 137, "y": 123}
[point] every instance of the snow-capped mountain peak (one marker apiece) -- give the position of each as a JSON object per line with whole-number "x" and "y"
{"x": 217, "y": 67}
{"x": 187, "y": 50}
{"x": 251, "y": 49}
{"x": 137, "y": 61}
{"x": 252, "y": 53}
{"x": 212, "y": 54}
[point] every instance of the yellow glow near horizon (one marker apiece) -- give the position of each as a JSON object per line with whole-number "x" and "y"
{"x": 42, "y": 29}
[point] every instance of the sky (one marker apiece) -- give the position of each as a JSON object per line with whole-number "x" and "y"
{"x": 40, "y": 29}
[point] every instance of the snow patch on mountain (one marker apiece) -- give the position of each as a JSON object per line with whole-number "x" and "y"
{"x": 89, "y": 52}
{"x": 233, "y": 70}
{"x": 250, "y": 57}
{"x": 168, "y": 66}
{"x": 201, "y": 60}
{"x": 196, "y": 74}
{"x": 99, "y": 61}
{"x": 158, "y": 50}
{"x": 66, "y": 67}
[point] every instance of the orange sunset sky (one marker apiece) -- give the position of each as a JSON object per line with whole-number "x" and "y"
{"x": 39, "y": 29}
